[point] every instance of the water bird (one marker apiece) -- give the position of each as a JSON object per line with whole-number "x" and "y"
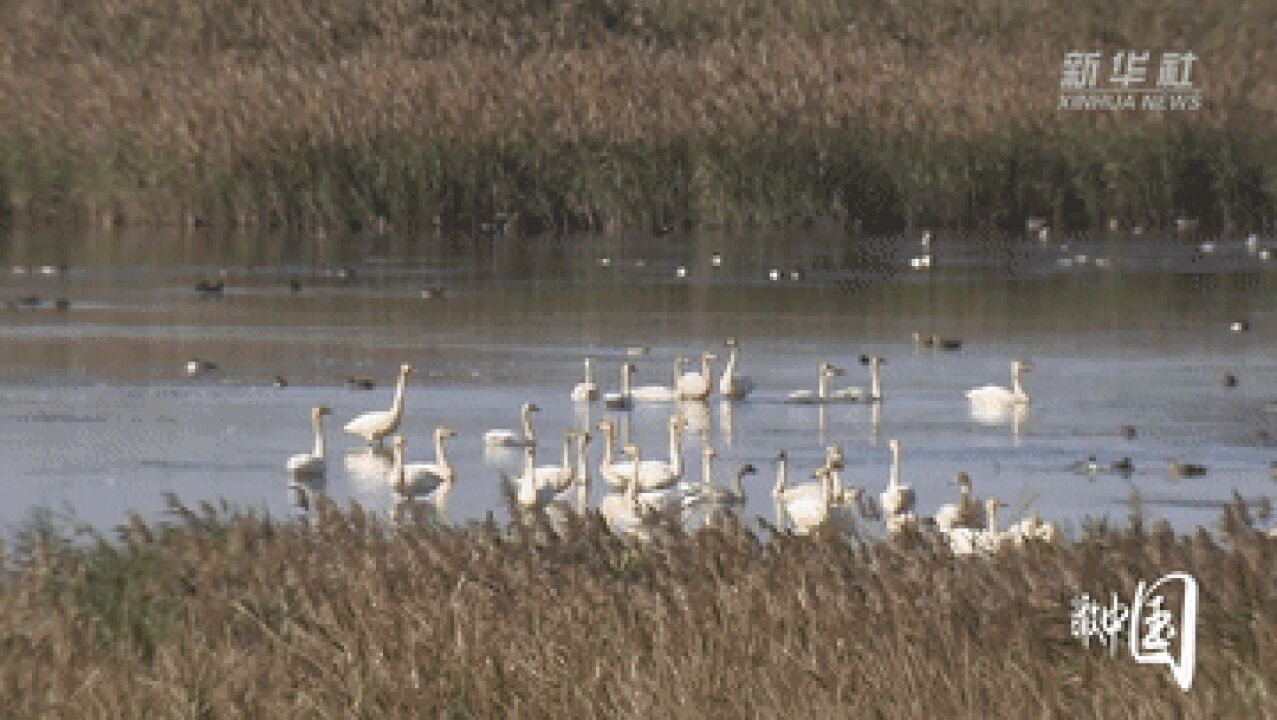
{"x": 994, "y": 396}
{"x": 681, "y": 271}
{"x": 926, "y": 238}
{"x": 1252, "y": 242}
{"x": 1230, "y": 380}
{"x": 294, "y": 285}
{"x": 871, "y": 394}
{"x": 624, "y": 399}
{"x": 967, "y": 512}
{"x": 510, "y": 438}
{"x": 1264, "y": 254}
{"x": 827, "y": 372}
{"x": 432, "y": 293}
{"x": 1129, "y": 432}
{"x": 653, "y": 474}
{"x": 29, "y": 301}
{"x": 1089, "y": 466}
{"x": 539, "y": 486}
{"x": 1186, "y": 470}
{"x": 732, "y": 386}
{"x": 208, "y": 288}
{"x": 795, "y": 274}
{"x": 716, "y": 259}
{"x": 697, "y": 386}
{"x": 587, "y": 390}
{"x": 1239, "y": 326}
{"x": 196, "y": 366}
{"x": 637, "y": 351}
{"x": 920, "y": 262}
{"x": 375, "y": 425}
{"x": 661, "y": 393}
{"x": 604, "y": 262}
{"x": 61, "y": 304}
{"x": 773, "y": 274}
{"x": 981, "y": 541}
{"x": 280, "y": 381}
{"x": 424, "y": 478}
{"x": 312, "y": 464}
{"x": 1122, "y": 465}
{"x": 360, "y": 382}
{"x": 806, "y": 505}
{"x": 898, "y": 498}
{"x": 53, "y": 270}
{"x": 708, "y": 492}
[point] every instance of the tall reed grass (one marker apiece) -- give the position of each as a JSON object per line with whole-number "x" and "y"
{"x": 613, "y": 113}
{"x": 237, "y": 615}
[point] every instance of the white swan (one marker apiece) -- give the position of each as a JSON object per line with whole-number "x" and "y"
{"x": 804, "y": 397}
{"x": 312, "y": 464}
{"x": 623, "y": 400}
{"x": 423, "y": 478}
{"x": 968, "y": 541}
{"x": 966, "y": 513}
{"x": 1033, "y": 529}
{"x": 858, "y": 394}
{"x": 373, "y": 426}
{"x": 539, "y": 486}
{"x": 732, "y": 386}
{"x": 997, "y": 397}
{"x": 622, "y": 510}
{"x": 661, "y": 393}
{"x": 587, "y": 390}
{"x": 806, "y": 505}
{"x": 660, "y": 499}
{"x": 708, "y": 492}
{"x": 898, "y": 498}
{"x": 510, "y": 438}
{"x": 697, "y": 386}
{"x": 653, "y": 474}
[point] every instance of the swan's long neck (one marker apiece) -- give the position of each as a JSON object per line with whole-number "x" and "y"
{"x": 678, "y": 370}
{"x": 676, "y": 449}
{"x": 707, "y": 470}
{"x": 782, "y": 475}
{"x": 567, "y": 453}
{"x": 993, "y": 519}
{"x": 731, "y": 364}
{"x": 631, "y": 487}
{"x": 894, "y": 480}
{"x": 609, "y": 445}
{"x": 626, "y": 370}
{"x": 318, "y": 424}
{"x": 835, "y": 479}
{"x": 875, "y": 387}
{"x": 529, "y": 464}
{"x": 398, "y": 466}
{"x": 738, "y": 486}
{"x": 529, "y": 436}
{"x": 396, "y": 408}
{"x": 1016, "y": 386}
{"x": 441, "y": 451}
{"x": 582, "y": 464}
{"x": 827, "y": 489}
{"x": 822, "y": 387}
{"x": 589, "y": 371}
{"x": 707, "y": 366}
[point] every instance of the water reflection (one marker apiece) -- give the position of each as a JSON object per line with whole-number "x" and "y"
{"x": 370, "y": 467}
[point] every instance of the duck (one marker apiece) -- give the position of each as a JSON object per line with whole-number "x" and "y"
{"x": 510, "y": 438}
{"x": 805, "y": 397}
{"x": 1122, "y": 465}
{"x": 874, "y": 393}
{"x": 313, "y": 463}
{"x": 898, "y": 498}
{"x": 994, "y": 396}
{"x": 375, "y": 425}
{"x": 1186, "y": 470}
{"x": 1089, "y": 466}
{"x": 587, "y": 390}
{"x": 1129, "y": 432}
{"x": 623, "y": 400}
{"x": 654, "y": 474}
{"x": 1230, "y": 380}
{"x": 1239, "y": 326}
{"x": 732, "y": 386}
{"x": 280, "y": 381}
{"x": 423, "y": 478}
{"x": 358, "y": 382}
{"x": 661, "y": 393}
{"x": 208, "y": 288}
{"x": 196, "y": 366}
{"x": 697, "y": 386}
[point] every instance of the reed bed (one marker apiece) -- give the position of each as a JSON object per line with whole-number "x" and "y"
{"x": 614, "y": 113}
{"x": 229, "y": 615}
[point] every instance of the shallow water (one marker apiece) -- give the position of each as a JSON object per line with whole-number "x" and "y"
{"x": 98, "y": 417}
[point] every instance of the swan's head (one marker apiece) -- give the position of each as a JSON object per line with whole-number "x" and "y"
{"x": 606, "y": 426}
{"x": 708, "y": 452}
{"x": 405, "y": 370}
{"x": 1021, "y": 366}
{"x": 830, "y": 370}
{"x": 632, "y": 450}
{"x": 963, "y": 480}
{"x": 530, "y": 408}
{"x": 584, "y": 438}
{"x": 877, "y": 361}
{"x": 730, "y": 342}
{"x": 782, "y": 456}
{"x": 894, "y": 444}
{"x": 992, "y": 504}
{"x": 321, "y": 410}
{"x": 708, "y": 357}
{"x": 444, "y": 433}
{"x": 746, "y": 469}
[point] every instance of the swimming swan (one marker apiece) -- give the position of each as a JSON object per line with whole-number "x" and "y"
{"x": 509, "y": 438}
{"x": 966, "y": 513}
{"x": 539, "y": 486}
{"x": 732, "y": 386}
{"x": 661, "y": 393}
{"x": 373, "y": 426}
{"x": 623, "y": 400}
{"x": 806, "y": 505}
{"x": 587, "y": 390}
{"x": 653, "y": 474}
{"x": 898, "y": 498}
{"x": 312, "y": 464}
{"x": 858, "y": 394}
{"x": 697, "y": 386}
{"x": 424, "y": 478}
{"x": 805, "y": 397}
{"x": 997, "y": 397}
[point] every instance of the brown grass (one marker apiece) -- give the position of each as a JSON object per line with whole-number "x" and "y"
{"x": 350, "y": 618}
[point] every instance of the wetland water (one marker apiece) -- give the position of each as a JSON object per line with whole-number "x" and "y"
{"x": 98, "y": 415}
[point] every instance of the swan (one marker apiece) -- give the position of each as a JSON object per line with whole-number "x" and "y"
{"x": 423, "y": 478}
{"x": 979, "y": 541}
{"x": 652, "y": 499}
{"x": 874, "y": 393}
{"x": 997, "y": 397}
{"x": 660, "y": 393}
{"x": 622, "y": 510}
{"x": 966, "y": 513}
{"x": 623, "y": 400}
{"x": 312, "y": 464}
{"x": 808, "y": 504}
{"x": 197, "y": 366}
{"x": 373, "y": 426}
{"x": 827, "y": 371}
{"x": 898, "y": 498}
{"x": 653, "y": 474}
{"x": 710, "y": 493}
{"x": 697, "y": 386}
{"x": 732, "y": 386}
{"x": 1032, "y": 529}
{"x": 510, "y": 438}
{"x": 587, "y": 390}
{"x": 539, "y": 486}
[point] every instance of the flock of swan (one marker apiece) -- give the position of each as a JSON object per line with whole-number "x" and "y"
{"x": 643, "y": 490}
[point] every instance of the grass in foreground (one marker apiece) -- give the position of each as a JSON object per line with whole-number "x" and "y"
{"x": 242, "y": 616}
